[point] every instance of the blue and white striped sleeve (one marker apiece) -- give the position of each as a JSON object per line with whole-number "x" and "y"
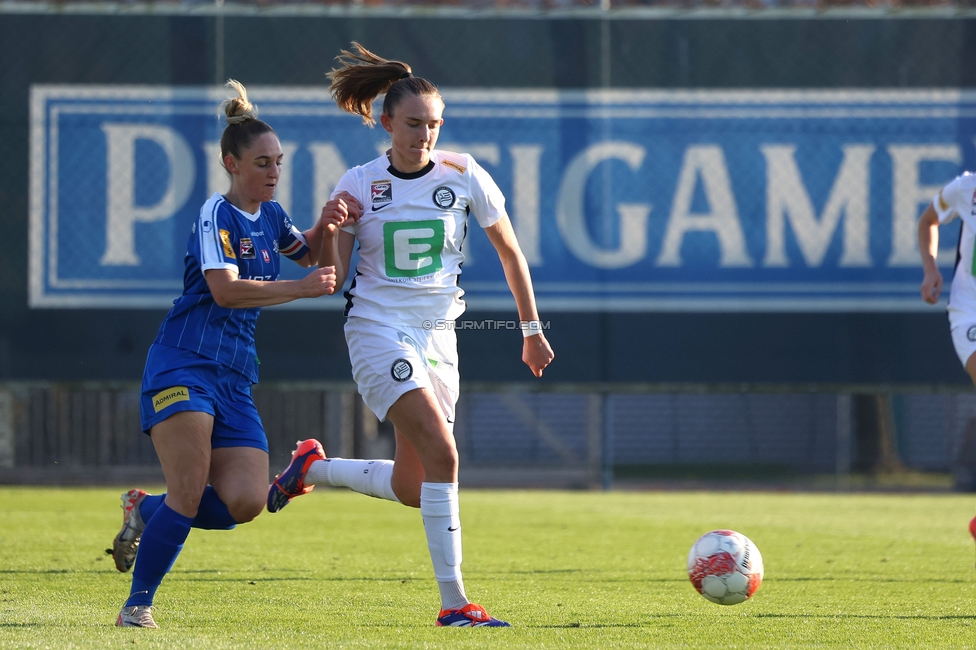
{"x": 291, "y": 241}
{"x": 216, "y": 243}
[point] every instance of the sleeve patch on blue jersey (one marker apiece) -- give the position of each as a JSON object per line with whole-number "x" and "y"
{"x": 170, "y": 396}
{"x": 225, "y": 240}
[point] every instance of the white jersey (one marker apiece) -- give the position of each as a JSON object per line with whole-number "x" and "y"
{"x": 958, "y": 199}
{"x": 410, "y": 236}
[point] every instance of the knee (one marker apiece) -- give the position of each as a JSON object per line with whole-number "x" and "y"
{"x": 443, "y": 459}
{"x": 441, "y": 464}
{"x": 184, "y": 497}
{"x": 245, "y": 508}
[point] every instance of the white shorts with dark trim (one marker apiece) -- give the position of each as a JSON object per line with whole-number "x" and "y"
{"x": 964, "y": 339}
{"x": 390, "y": 360}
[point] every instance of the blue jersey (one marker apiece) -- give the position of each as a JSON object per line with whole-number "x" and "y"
{"x": 224, "y": 237}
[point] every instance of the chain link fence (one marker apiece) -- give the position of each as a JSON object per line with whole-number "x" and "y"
{"x": 569, "y": 437}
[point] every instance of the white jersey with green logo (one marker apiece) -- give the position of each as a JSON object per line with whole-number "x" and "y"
{"x": 958, "y": 199}
{"x": 410, "y": 236}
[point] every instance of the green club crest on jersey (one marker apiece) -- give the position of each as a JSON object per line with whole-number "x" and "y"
{"x": 413, "y": 248}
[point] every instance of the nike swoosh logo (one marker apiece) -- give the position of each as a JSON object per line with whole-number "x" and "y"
{"x": 377, "y": 209}
{"x": 451, "y": 530}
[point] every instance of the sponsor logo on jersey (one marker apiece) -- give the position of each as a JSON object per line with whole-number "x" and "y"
{"x": 265, "y": 256}
{"x": 401, "y": 370}
{"x": 247, "y": 249}
{"x": 453, "y": 165}
{"x": 170, "y": 396}
{"x": 412, "y": 249}
{"x": 444, "y": 197}
{"x": 971, "y": 334}
{"x": 260, "y": 233}
{"x": 228, "y": 248}
{"x": 381, "y": 194}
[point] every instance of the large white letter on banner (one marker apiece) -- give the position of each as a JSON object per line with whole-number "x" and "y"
{"x": 329, "y": 168}
{"x": 709, "y": 162}
{"x": 571, "y": 218}
{"x": 122, "y": 211}
{"x": 525, "y": 200}
{"x": 908, "y": 196}
{"x": 786, "y": 196}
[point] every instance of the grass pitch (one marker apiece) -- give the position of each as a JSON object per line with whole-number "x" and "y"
{"x": 567, "y": 569}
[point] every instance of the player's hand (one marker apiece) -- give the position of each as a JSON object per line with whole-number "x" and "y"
{"x": 320, "y": 282}
{"x": 353, "y": 209}
{"x": 536, "y": 353}
{"x": 932, "y": 286}
{"x": 339, "y": 211}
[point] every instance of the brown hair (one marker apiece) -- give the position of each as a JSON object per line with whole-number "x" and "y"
{"x": 363, "y": 77}
{"x": 243, "y": 125}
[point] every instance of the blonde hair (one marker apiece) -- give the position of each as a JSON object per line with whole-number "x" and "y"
{"x": 364, "y": 76}
{"x": 238, "y": 109}
{"x": 243, "y": 124}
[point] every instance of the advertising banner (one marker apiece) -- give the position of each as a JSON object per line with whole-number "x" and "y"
{"x": 633, "y": 200}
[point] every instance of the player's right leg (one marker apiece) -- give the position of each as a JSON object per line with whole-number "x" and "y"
{"x": 182, "y": 443}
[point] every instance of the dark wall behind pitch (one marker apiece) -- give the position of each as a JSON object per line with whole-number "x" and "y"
{"x": 180, "y": 49}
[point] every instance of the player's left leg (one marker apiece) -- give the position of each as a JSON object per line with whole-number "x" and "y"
{"x": 239, "y": 476}
{"x": 420, "y": 420}
{"x": 971, "y": 370}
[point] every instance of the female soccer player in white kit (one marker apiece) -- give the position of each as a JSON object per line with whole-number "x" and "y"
{"x": 414, "y": 206}
{"x": 957, "y": 199}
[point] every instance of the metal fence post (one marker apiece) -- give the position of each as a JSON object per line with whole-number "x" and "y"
{"x": 843, "y": 451}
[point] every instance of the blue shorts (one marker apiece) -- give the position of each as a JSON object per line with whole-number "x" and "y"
{"x": 179, "y": 380}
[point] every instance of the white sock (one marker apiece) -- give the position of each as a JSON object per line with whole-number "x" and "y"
{"x": 440, "y": 511}
{"x": 371, "y": 477}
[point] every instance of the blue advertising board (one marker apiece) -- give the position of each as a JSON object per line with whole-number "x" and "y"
{"x": 632, "y": 200}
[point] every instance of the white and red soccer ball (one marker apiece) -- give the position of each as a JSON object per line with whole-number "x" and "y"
{"x": 725, "y": 567}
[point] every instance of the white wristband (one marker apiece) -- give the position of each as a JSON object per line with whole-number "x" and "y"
{"x": 531, "y": 327}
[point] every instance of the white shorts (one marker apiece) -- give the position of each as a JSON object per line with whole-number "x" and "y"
{"x": 388, "y": 361}
{"x": 964, "y": 339}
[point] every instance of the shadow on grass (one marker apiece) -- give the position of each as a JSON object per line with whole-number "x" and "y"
{"x": 832, "y": 617}
{"x": 880, "y": 617}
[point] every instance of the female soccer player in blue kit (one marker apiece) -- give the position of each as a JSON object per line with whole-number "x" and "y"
{"x": 196, "y": 388}
{"x": 415, "y": 202}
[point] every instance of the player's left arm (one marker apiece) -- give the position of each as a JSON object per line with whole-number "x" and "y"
{"x": 536, "y": 352}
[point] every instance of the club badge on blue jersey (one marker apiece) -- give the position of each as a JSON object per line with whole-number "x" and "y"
{"x": 247, "y": 249}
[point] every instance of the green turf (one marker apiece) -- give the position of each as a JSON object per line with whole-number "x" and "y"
{"x": 568, "y": 569}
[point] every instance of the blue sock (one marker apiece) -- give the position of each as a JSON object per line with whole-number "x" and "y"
{"x": 161, "y": 543}
{"x": 212, "y": 514}
{"x": 150, "y": 505}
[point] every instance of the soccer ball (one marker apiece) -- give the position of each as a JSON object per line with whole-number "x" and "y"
{"x": 725, "y": 567}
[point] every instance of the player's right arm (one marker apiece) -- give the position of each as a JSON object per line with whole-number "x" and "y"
{"x": 928, "y": 246}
